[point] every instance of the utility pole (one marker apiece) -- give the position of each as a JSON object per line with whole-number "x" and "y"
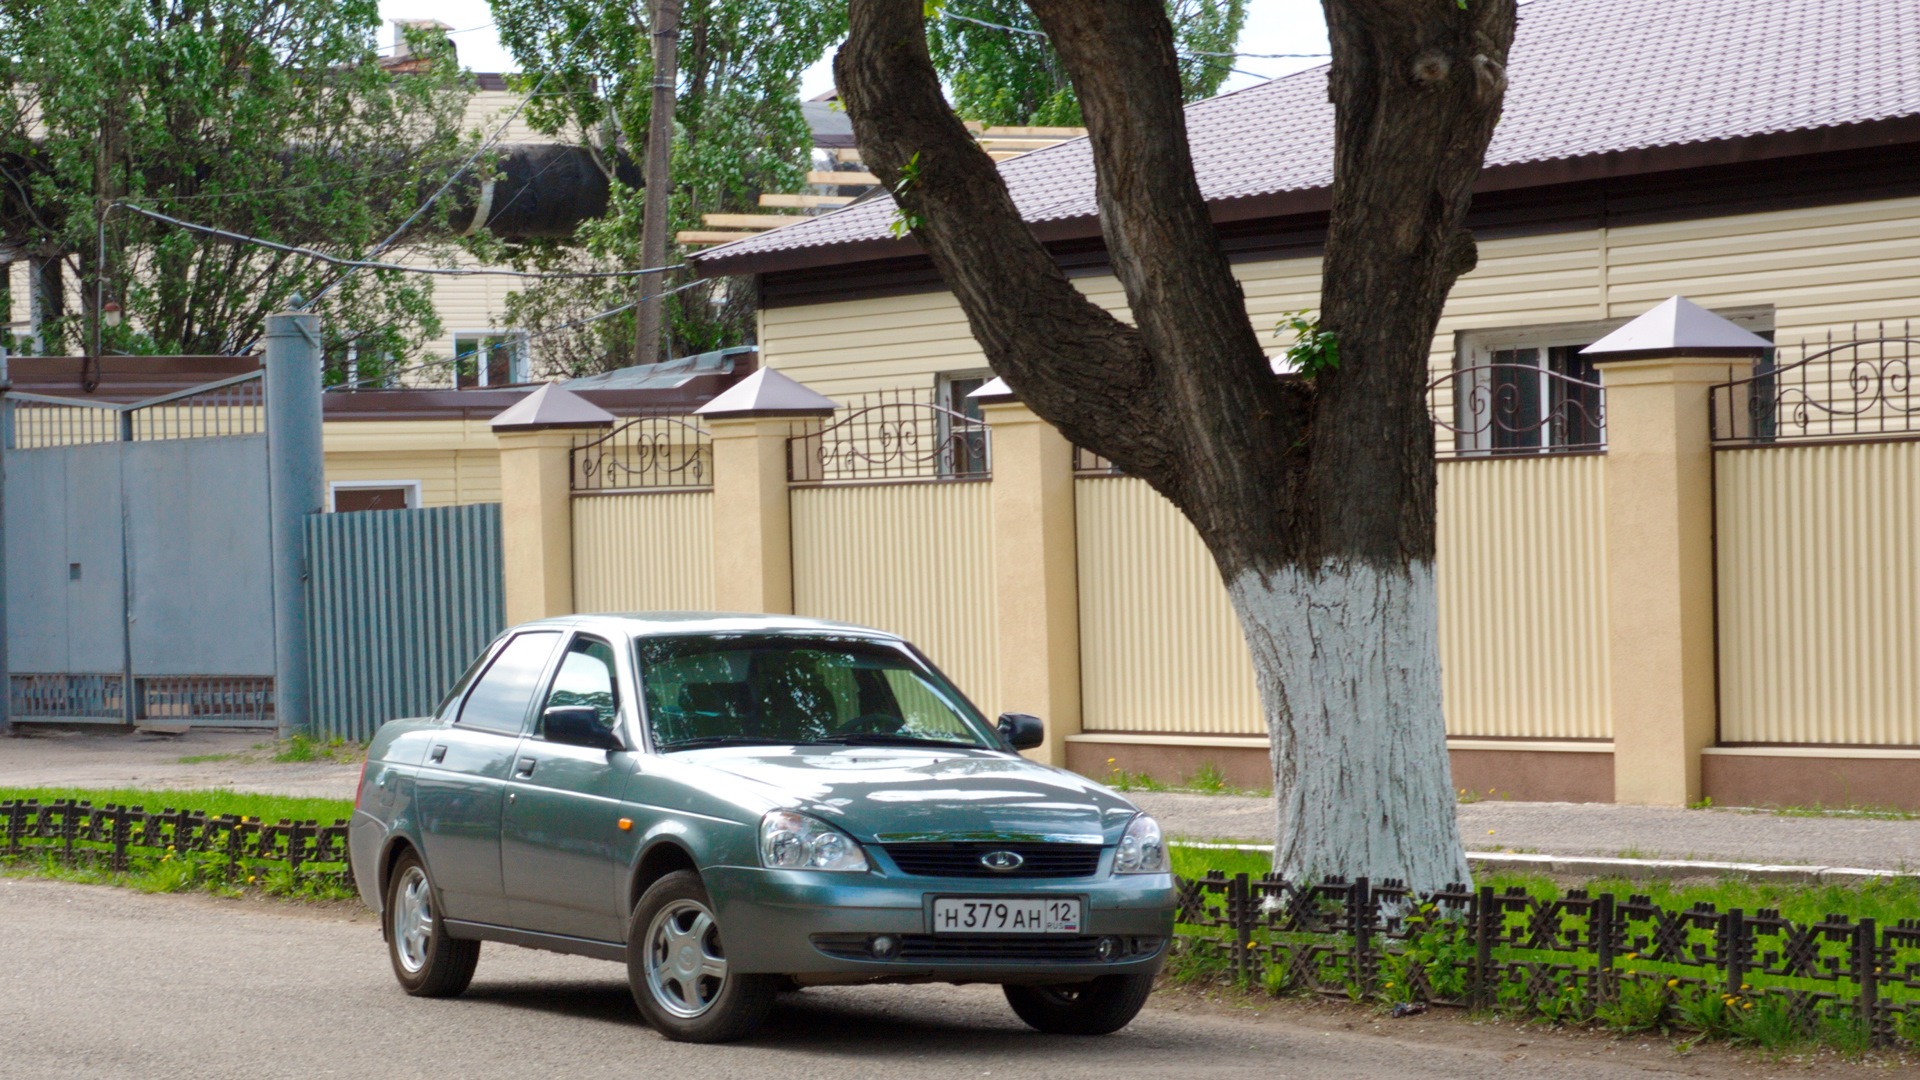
{"x": 648, "y": 313}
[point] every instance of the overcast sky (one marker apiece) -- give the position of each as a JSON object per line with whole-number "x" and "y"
{"x": 1273, "y": 26}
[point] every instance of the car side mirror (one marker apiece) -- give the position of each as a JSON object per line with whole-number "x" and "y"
{"x": 578, "y": 725}
{"x": 1022, "y": 732}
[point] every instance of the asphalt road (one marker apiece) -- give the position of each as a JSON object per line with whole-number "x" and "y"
{"x": 103, "y": 983}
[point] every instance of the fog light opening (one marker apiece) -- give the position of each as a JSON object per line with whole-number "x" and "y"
{"x": 884, "y": 947}
{"x": 1108, "y": 948}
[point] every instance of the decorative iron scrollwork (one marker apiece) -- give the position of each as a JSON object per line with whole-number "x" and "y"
{"x": 1509, "y": 409}
{"x": 652, "y": 453}
{"x": 1858, "y": 389}
{"x": 891, "y": 436}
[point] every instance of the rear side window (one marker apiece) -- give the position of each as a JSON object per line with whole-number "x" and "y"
{"x": 499, "y": 700}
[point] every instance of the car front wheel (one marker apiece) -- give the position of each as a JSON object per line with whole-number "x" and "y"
{"x": 1098, "y": 1007}
{"x": 678, "y": 967}
{"x": 427, "y": 962}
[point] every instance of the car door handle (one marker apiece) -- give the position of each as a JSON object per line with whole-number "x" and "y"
{"x": 439, "y": 754}
{"x": 524, "y": 767}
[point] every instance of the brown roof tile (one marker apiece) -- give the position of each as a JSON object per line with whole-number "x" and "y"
{"x": 1588, "y": 78}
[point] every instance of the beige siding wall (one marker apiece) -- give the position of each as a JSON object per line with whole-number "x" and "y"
{"x": 1821, "y": 268}
{"x": 1160, "y": 649}
{"x": 1819, "y": 594}
{"x": 914, "y": 559}
{"x": 455, "y": 461}
{"x": 1523, "y": 605}
{"x": 651, "y": 552}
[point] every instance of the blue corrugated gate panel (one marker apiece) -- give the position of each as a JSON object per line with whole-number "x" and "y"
{"x": 399, "y": 603}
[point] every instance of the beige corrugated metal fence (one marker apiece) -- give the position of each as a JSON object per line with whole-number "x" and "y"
{"x": 1522, "y": 608}
{"x": 1523, "y": 605}
{"x": 646, "y": 552}
{"x": 1819, "y": 594}
{"x": 1160, "y": 648}
{"x": 915, "y": 559}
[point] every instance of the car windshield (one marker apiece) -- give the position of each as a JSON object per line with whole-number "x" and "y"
{"x": 781, "y": 690}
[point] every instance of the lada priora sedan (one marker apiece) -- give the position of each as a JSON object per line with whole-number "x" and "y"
{"x": 740, "y": 805}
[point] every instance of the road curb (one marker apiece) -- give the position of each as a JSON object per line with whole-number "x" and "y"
{"x": 1595, "y": 866}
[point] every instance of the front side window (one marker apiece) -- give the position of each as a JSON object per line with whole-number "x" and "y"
{"x": 771, "y": 689}
{"x": 586, "y": 678}
{"x": 499, "y": 700}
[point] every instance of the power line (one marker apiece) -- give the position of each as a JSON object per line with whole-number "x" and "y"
{"x": 368, "y": 264}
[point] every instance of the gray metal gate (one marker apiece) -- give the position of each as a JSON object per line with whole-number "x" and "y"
{"x": 399, "y": 602}
{"x": 138, "y": 554}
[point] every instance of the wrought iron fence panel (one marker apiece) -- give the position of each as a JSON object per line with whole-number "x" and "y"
{"x": 123, "y": 838}
{"x": 650, "y": 453}
{"x": 896, "y": 435}
{"x": 1506, "y": 410}
{"x": 1855, "y": 390}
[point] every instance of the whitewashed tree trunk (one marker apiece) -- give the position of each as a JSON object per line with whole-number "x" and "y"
{"x": 1347, "y": 660}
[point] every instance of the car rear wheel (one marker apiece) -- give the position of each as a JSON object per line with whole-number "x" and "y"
{"x": 427, "y": 962}
{"x": 678, "y": 967}
{"x": 1098, "y": 1007}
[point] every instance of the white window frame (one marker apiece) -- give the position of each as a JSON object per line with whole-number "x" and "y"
{"x": 412, "y": 488}
{"x": 519, "y": 355}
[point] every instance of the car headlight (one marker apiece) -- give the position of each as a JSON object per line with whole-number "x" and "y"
{"x": 790, "y": 841}
{"x": 1142, "y": 849}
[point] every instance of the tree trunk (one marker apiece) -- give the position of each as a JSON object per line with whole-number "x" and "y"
{"x": 1349, "y": 673}
{"x": 1315, "y": 496}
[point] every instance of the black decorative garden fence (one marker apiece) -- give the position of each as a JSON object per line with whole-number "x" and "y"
{"x": 1571, "y": 958}
{"x": 124, "y": 838}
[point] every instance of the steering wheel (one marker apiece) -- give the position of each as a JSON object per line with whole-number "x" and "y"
{"x": 873, "y": 724}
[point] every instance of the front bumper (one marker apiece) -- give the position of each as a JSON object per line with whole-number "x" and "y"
{"x": 813, "y": 923}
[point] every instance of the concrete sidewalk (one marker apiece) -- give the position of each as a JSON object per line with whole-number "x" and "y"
{"x": 242, "y": 762}
{"x": 1599, "y": 830}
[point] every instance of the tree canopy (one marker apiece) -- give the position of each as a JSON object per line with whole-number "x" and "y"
{"x": 1000, "y": 68}
{"x": 271, "y": 118}
{"x": 739, "y": 132}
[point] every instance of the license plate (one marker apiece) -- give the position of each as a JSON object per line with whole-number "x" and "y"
{"x": 1012, "y": 915}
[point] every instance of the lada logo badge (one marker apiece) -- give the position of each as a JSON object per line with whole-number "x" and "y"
{"x": 1002, "y": 860}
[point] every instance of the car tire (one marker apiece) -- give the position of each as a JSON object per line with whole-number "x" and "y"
{"x": 427, "y": 962}
{"x": 1099, "y": 1007}
{"x": 678, "y": 969}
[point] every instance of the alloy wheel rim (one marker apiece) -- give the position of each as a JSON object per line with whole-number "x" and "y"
{"x": 413, "y": 920}
{"x": 686, "y": 969}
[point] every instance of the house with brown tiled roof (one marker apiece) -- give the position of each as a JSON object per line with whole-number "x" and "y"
{"x": 1761, "y": 158}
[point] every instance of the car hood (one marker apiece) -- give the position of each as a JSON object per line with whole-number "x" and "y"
{"x": 900, "y": 794}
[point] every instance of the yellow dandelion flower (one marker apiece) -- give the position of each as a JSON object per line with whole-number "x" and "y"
{"x": 1489, "y": 832}
{"x": 251, "y": 879}
{"x": 1631, "y": 956}
{"x": 1744, "y": 987}
{"x": 1672, "y": 983}
{"x": 1746, "y": 1004}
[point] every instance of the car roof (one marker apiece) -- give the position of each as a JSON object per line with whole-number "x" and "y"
{"x": 643, "y": 623}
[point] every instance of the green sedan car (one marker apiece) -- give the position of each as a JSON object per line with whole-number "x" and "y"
{"x": 737, "y": 805}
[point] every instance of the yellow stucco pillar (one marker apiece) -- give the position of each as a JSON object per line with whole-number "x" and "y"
{"x": 752, "y": 529}
{"x": 1036, "y": 576}
{"x": 1659, "y": 536}
{"x": 752, "y": 525}
{"x": 536, "y": 523}
{"x": 536, "y": 439}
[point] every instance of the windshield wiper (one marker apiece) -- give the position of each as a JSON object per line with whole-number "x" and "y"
{"x": 705, "y": 741}
{"x": 883, "y": 738}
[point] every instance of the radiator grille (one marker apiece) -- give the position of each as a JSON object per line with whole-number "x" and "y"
{"x": 963, "y": 860}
